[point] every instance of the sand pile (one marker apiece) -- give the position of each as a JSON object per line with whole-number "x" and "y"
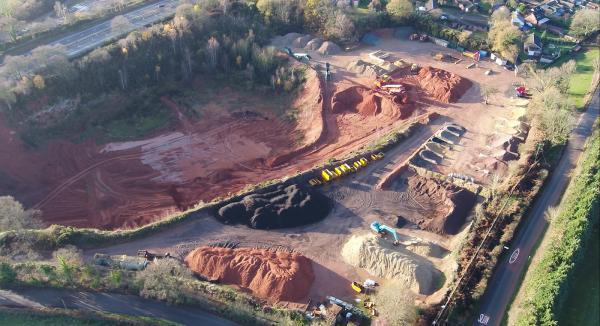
{"x": 314, "y": 44}
{"x": 329, "y": 48}
{"x": 450, "y": 204}
{"x": 275, "y": 276}
{"x": 285, "y": 207}
{"x": 366, "y": 102}
{"x": 381, "y": 258}
{"x": 443, "y": 85}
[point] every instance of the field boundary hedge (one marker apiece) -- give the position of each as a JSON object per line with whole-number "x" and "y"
{"x": 549, "y": 281}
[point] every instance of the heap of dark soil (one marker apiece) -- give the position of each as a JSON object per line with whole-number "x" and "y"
{"x": 450, "y": 204}
{"x": 285, "y": 207}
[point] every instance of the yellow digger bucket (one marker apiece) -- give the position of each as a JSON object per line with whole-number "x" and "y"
{"x": 338, "y": 171}
{"x": 348, "y": 167}
{"x": 356, "y": 287}
{"x": 344, "y": 168}
{"x": 364, "y": 161}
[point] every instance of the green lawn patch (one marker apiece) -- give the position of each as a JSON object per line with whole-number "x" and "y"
{"x": 582, "y": 78}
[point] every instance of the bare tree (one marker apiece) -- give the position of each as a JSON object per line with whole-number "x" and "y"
{"x": 585, "y": 22}
{"x": 396, "y": 304}
{"x": 340, "y": 26}
{"x": 399, "y": 8}
{"x": 487, "y": 91}
{"x": 164, "y": 280}
{"x": 213, "y": 51}
{"x": 14, "y": 217}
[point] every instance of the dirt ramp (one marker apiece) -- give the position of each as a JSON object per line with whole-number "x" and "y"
{"x": 275, "y": 276}
{"x": 449, "y": 204}
{"x": 380, "y": 258}
{"x": 443, "y": 85}
{"x": 285, "y": 207}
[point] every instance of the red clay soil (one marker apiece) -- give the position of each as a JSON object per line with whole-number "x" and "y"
{"x": 271, "y": 275}
{"x": 443, "y": 85}
{"x": 366, "y": 102}
{"x": 129, "y": 184}
{"x": 449, "y": 204}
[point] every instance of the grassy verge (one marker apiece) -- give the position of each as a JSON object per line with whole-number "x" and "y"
{"x": 548, "y": 282}
{"x": 60, "y": 317}
{"x": 582, "y": 304}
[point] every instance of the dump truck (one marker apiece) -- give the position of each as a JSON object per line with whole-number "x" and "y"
{"x": 383, "y": 230}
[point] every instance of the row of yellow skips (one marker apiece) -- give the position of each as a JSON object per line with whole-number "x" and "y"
{"x": 343, "y": 169}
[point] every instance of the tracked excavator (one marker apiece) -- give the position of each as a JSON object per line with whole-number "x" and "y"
{"x": 383, "y": 230}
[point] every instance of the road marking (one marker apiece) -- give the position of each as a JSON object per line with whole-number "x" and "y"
{"x": 483, "y": 319}
{"x": 513, "y": 256}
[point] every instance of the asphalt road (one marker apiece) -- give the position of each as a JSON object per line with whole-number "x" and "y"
{"x": 506, "y": 280}
{"x": 108, "y": 302}
{"x": 92, "y": 37}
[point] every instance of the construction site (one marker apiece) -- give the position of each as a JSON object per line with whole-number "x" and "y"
{"x": 348, "y": 219}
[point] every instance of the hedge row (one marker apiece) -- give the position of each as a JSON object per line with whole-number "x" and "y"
{"x": 548, "y": 283}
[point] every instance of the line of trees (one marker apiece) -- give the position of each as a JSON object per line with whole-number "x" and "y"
{"x": 200, "y": 39}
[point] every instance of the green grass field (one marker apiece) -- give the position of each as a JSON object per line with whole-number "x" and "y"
{"x": 582, "y": 78}
{"x": 582, "y": 306}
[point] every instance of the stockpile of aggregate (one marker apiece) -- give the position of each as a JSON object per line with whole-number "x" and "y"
{"x": 381, "y": 258}
{"x": 443, "y": 85}
{"x": 268, "y": 274}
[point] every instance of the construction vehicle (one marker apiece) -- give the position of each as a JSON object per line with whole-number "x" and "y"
{"x": 521, "y": 92}
{"x": 302, "y": 57}
{"x": 414, "y": 68}
{"x": 328, "y": 175}
{"x": 377, "y": 156}
{"x": 149, "y": 256}
{"x": 357, "y": 287}
{"x": 382, "y": 80}
{"x": 315, "y": 182}
{"x": 383, "y": 230}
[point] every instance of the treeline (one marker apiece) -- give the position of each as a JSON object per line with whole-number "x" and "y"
{"x": 547, "y": 285}
{"x": 205, "y": 37}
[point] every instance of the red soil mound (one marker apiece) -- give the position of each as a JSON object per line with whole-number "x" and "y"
{"x": 443, "y": 85}
{"x": 366, "y": 102}
{"x": 277, "y": 276}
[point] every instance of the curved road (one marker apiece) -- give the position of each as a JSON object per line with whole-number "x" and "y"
{"x": 507, "y": 278}
{"x": 108, "y": 302}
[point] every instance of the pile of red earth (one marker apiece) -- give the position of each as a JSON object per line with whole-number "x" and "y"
{"x": 276, "y": 276}
{"x": 285, "y": 207}
{"x": 448, "y": 203}
{"x": 366, "y": 102}
{"x": 443, "y": 85}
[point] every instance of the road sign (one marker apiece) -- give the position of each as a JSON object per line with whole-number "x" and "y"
{"x": 514, "y": 256}
{"x": 483, "y": 319}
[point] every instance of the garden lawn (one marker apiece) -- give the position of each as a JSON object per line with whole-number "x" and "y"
{"x": 582, "y": 78}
